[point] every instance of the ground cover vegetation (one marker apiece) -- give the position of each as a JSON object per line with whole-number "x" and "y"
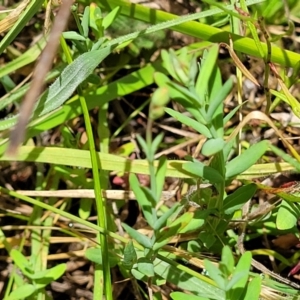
{"x": 139, "y": 165}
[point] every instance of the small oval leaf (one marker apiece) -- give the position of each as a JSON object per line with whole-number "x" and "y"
{"x": 212, "y": 146}
{"x": 200, "y": 170}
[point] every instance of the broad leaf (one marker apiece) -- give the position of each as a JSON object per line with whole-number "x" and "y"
{"x": 68, "y": 81}
{"x": 139, "y": 237}
{"x": 145, "y": 266}
{"x": 287, "y": 216}
{"x": 95, "y": 255}
{"x": 238, "y": 198}
{"x": 215, "y": 274}
{"x": 130, "y": 256}
{"x": 253, "y": 289}
{"x": 50, "y": 275}
{"x": 202, "y": 171}
{"x": 22, "y": 292}
{"x": 212, "y": 146}
{"x": 247, "y": 159}
{"x": 240, "y": 275}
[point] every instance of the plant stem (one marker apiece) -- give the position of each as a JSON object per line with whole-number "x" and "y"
{"x": 100, "y": 201}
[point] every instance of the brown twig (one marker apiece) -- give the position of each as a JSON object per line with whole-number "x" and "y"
{"x": 40, "y": 72}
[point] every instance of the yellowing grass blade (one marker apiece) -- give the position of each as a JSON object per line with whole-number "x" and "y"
{"x": 11, "y": 18}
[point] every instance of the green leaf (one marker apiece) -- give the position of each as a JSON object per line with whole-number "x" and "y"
{"x": 167, "y": 61}
{"x": 202, "y": 129}
{"x": 139, "y": 237}
{"x": 155, "y": 144}
{"x": 207, "y": 238}
{"x": 240, "y": 276}
{"x": 73, "y": 35}
{"x": 217, "y": 120}
{"x": 227, "y": 261}
{"x": 85, "y": 208}
{"x": 285, "y": 157}
{"x": 208, "y": 63}
{"x": 247, "y": 159}
{"x": 197, "y": 221}
{"x": 215, "y": 102}
{"x": 160, "y": 176}
{"x": 188, "y": 99}
{"x": 199, "y": 285}
{"x": 161, "y": 79}
{"x": 95, "y": 255}
{"x": 238, "y": 198}
{"x": 212, "y": 146}
{"x": 236, "y": 279}
{"x": 21, "y": 262}
{"x": 95, "y": 20}
{"x": 292, "y": 101}
{"x": 144, "y": 146}
{"x": 231, "y": 113}
{"x": 145, "y": 199}
{"x": 49, "y": 275}
{"x": 202, "y": 171}
{"x": 20, "y": 92}
{"x": 68, "y": 81}
{"x": 193, "y": 71}
{"x": 22, "y": 292}
{"x": 110, "y": 17}
{"x": 157, "y": 280}
{"x": 215, "y": 274}
{"x": 138, "y": 275}
{"x": 289, "y": 197}
{"x": 81, "y": 159}
{"x": 183, "y": 296}
{"x": 179, "y": 65}
{"x": 174, "y": 228}
{"x": 130, "y": 256}
{"x": 253, "y": 289}
{"x": 7, "y": 83}
{"x": 287, "y": 216}
{"x": 145, "y": 202}
{"x": 163, "y": 219}
{"x": 145, "y": 266}
{"x": 178, "y": 92}
{"x": 85, "y": 21}
{"x": 256, "y": 39}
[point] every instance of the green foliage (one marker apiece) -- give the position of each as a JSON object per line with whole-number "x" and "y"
{"x": 95, "y": 255}
{"x": 196, "y": 87}
{"x": 233, "y": 280}
{"x": 34, "y": 280}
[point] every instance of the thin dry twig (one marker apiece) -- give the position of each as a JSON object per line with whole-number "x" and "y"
{"x": 40, "y": 72}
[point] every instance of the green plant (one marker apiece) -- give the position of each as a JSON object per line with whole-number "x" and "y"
{"x": 33, "y": 281}
{"x": 81, "y": 85}
{"x": 231, "y": 279}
